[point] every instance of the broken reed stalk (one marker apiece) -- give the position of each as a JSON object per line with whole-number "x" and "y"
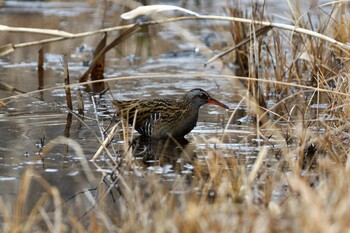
{"x": 105, "y": 143}
{"x": 96, "y": 117}
{"x": 41, "y": 70}
{"x": 69, "y": 101}
{"x": 122, "y": 36}
{"x": 67, "y": 130}
{"x": 11, "y": 89}
{"x": 9, "y": 48}
{"x": 67, "y": 82}
{"x": 80, "y": 102}
{"x": 230, "y": 118}
{"x": 99, "y": 65}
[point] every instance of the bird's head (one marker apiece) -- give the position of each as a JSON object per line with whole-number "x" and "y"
{"x": 199, "y": 97}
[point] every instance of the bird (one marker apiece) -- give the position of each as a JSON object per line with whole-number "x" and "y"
{"x": 165, "y": 117}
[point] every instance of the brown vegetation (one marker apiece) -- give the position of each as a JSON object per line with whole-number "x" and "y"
{"x": 305, "y": 189}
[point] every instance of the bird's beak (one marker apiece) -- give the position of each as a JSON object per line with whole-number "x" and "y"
{"x": 214, "y": 101}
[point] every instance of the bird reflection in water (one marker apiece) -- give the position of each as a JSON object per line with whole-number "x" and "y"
{"x": 163, "y": 151}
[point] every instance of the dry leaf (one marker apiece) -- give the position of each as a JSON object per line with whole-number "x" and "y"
{"x": 2, "y": 103}
{"x": 306, "y": 56}
{"x": 149, "y": 10}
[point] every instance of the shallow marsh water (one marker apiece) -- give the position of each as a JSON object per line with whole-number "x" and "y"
{"x": 28, "y": 120}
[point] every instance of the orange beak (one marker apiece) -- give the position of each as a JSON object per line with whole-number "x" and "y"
{"x": 214, "y": 101}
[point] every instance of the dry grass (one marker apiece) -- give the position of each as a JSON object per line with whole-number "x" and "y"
{"x": 306, "y": 189}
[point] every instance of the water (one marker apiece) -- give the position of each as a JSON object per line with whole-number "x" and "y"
{"x": 27, "y": 123}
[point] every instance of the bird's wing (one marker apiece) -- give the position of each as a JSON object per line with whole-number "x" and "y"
{"x": 127, "y": 109}
{"x": 156, "y": 110}
{"x": 147, "y": 110}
